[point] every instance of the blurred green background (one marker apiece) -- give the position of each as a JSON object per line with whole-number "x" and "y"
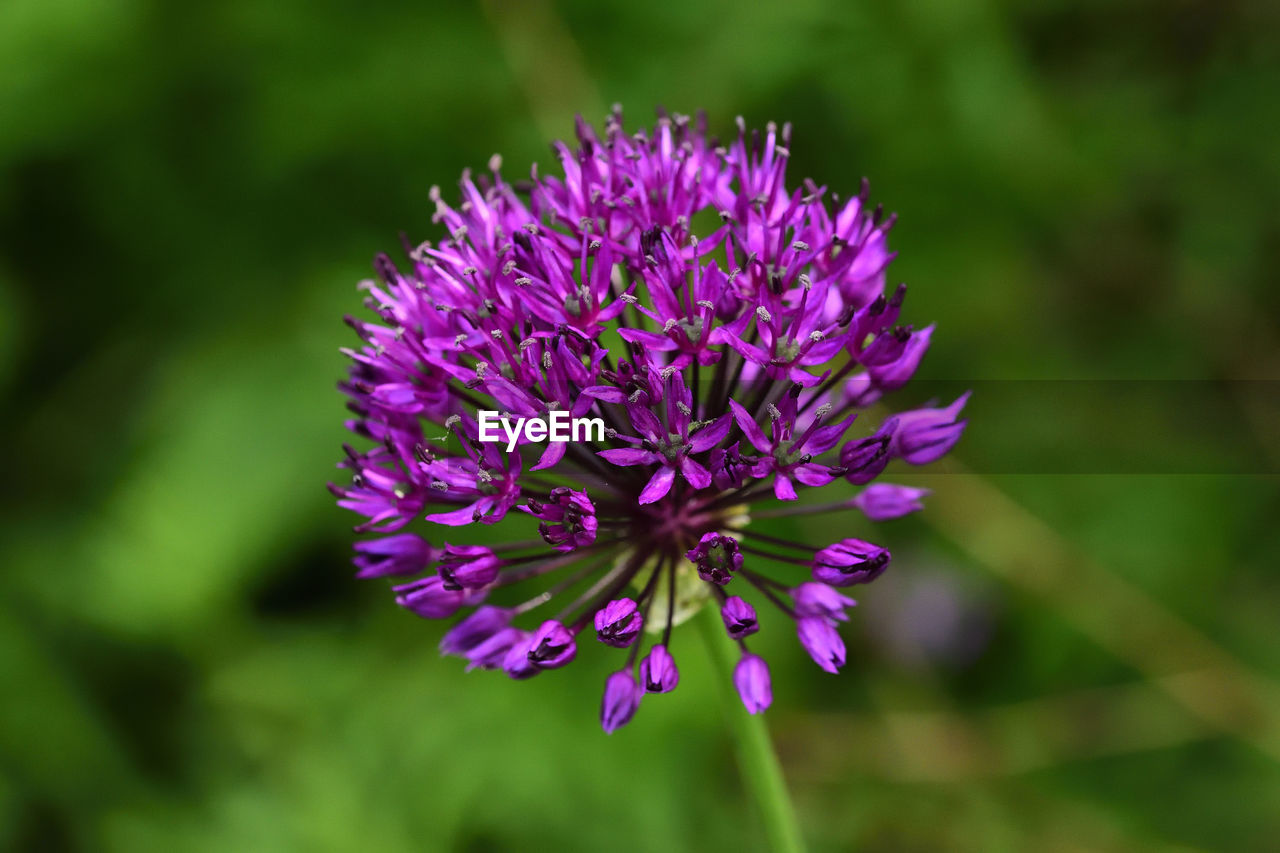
{"x": 1058, "y": 661}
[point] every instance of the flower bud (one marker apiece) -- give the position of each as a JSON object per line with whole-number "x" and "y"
{"x": 863, "y": 459}
{"x": 926, "y": 435}
{"x": 717, "y": 557}
{"x": 751, "y": 678}
{"x": 658, "y": 673}
{"x": 822, "y": 642}
{"x": 551, "y": 646}
{"x": 429, "y": 597}
{"x": 402, "y": 554}
{"x": 849, "y": 562}
{"x": 474, "y": 630}
{"x": 739, "y": 617}
{"x": 621, "y": 699}
{"x": 618, "y": 623}
{"x": 885, "y": 501}
{"x": 820, "y": 600}
{"x": 468, "y": 566}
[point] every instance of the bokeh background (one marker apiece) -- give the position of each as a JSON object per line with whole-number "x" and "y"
{"x": 1076, "y": 648}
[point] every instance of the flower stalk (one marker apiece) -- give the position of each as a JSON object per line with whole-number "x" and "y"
{"x": 757, "y": 759}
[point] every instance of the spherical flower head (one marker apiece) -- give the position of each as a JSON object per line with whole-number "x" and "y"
{"x": 849, "y": 562}
{"x": 706, "y": 376}
{"x": 717, "y": 557}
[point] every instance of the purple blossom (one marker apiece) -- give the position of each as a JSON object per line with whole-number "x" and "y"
{"x": 468, "y": 566}
{"x": 751, "y": 678}
{"x": 748, "y": 348}
{"x": 739, "y": 617}
{"x": 475, "y": 630}
{"x": 716, "y": 557}
{"x": 402, "y": 554}
{"x": 569, "y": 519}
{"x": 849, "y": 562}
{"x": 885, "y": 501}
{"x": 658, "y": 672}
{"x": 551, "y": 646}
{"x": 618, "y": 623}
{"x": 926, "y": 435}
{"x": 622, "y": 695}
{"x": 822, "y": 601}
{"x": 820, "y": 640}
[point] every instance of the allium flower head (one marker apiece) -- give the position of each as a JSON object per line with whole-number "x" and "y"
{"x": 727, "y": 330}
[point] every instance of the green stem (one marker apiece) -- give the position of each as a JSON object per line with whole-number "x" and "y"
{"x": 761, "y": 771}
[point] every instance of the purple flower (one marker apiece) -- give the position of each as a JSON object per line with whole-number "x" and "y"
{"x": 820, "y": 600}
{"x": 551, "y": 646}
{"x": 429, "y": 598}
{"x": 926, "y": 435}
{"x": 717, "y": 369}
{"x": 751, "y": 678}
{"x": 517, "y": 662}
{"x": 863, "y": 459}
{"x": 716, "y": 557}
{"x": 402, "y": 554}
{"x": 850, "y": 561}
{"x": 885, "y": 501}
{"x": 739, "y": 617}
{"x": 821, "y": 641}
{"x": 618, "y": 623}
{"x": 468, "y": 566}
{"x": 658, "y": 671}
{"x": 621, "y": 699}
{"x": 569, "y": 519}
{"x": 473, "y": 631}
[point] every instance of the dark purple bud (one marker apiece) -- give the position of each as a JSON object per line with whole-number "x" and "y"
{"x": 621, "y": 699}
{"x": 468, "y": 566}
{"x": 849, "y": 562}
{"x": 751, "y": 678}
{"x": 474, "y": 630}
{"x": 516, "y": 661}
{"x": 885, "y": 501}
{"x": 894, "y": 374}
{"x": 402, "y": 554}
{"x": 569, "y": 519}
{"x": 717, "y": 557}
{"x": 819, "y": 600}
{"x": 926, "y": 435}
{"x": 822, "y": 642}
{"x": 739, "y": 617}
{"x": 887, "y": 347}
{"x": 618, "y": 623}
{"x": 864, "y": 458}
{"x": 551, "y": 646}
{"x": 658, "y": 673}
{"x": 429, "y": 598}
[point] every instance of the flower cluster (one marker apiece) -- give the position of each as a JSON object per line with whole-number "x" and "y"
{"x": 728, "y": 330}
